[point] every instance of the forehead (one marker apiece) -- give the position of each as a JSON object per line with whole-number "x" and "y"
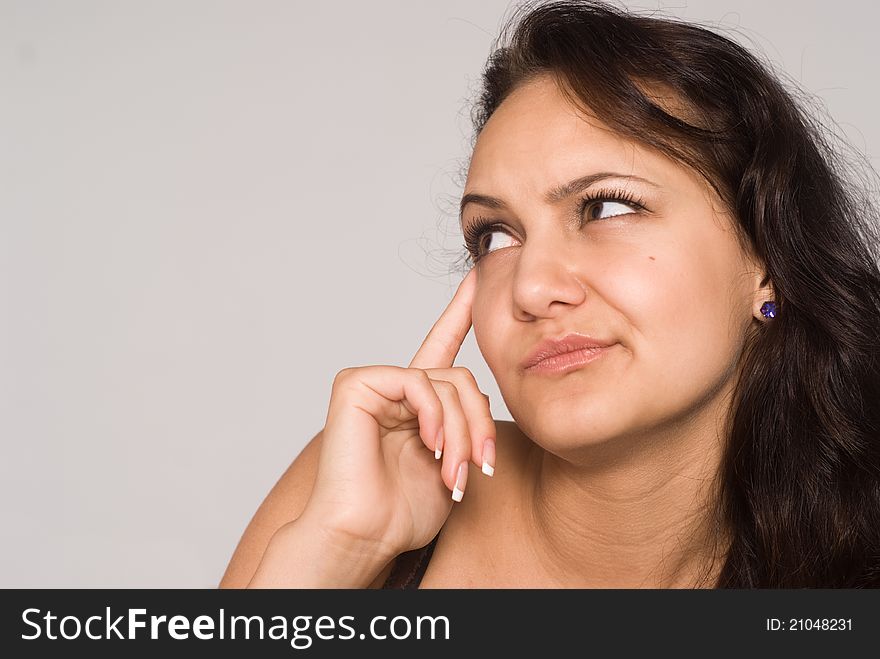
{"x": 537, "y": 138}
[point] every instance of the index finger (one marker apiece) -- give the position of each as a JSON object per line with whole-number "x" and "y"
{"x": 443, "y": 342}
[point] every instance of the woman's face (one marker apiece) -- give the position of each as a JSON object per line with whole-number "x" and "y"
{"x": 668, "y": 283}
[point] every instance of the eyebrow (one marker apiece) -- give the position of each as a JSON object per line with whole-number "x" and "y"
{"x": 552, "y": 196}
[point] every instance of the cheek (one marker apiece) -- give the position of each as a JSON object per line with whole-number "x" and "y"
{"x": 680, "y": 307}
{"x": 651, "y": 289}
{"x": 485, "y": 316}
{"x": 491, "y": 320}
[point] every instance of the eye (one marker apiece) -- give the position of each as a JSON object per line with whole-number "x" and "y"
{"x": 605, "y": 208}
{"x": 490, "y": 239}
{"x": 602, "y": 204}
{"x": 479, "y": 237}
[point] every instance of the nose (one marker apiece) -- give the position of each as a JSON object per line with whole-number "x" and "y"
{"x": 546, "y": 280}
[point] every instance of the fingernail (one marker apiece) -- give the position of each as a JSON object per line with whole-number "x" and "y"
{"x": 460, "y": 481}
{"x": 489, "y": 456}
{"x": 438, "y": 445}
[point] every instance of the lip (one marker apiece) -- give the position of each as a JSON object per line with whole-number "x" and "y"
{"x": 564, "y": 354}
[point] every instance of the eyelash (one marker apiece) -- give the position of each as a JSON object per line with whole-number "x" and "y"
{"x": 473, "y": 232}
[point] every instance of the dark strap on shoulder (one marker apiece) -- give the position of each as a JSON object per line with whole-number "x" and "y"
{"x": 409, "y": 567}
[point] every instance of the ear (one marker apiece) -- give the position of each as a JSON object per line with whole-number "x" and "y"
{"x": 763, "y": 292}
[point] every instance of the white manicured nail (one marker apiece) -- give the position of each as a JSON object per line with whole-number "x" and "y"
{"x": 460, "y": 482}
{"x": 489, "y": 456}
{"x": 438, "y": 445}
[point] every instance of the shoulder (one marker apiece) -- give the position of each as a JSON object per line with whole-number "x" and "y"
{"x": 284, "y": 502}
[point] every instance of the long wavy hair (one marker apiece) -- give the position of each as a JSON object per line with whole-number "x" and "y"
{"x": 798, "y": 489}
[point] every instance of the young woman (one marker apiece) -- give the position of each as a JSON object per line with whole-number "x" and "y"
{"x": 678, "y": 295}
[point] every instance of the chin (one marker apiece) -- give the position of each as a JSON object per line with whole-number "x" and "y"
{"x": 569, "y": 425}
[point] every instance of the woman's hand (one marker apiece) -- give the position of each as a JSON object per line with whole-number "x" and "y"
{"x": 397, "y": 442}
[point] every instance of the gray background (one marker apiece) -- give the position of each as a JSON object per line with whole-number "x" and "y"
{"x": 207, "y": 209}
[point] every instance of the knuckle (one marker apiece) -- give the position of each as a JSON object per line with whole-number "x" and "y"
{"x": 464, "y": 372}
{"x": 343, "y": 376}
{"x": 446, "y": 387}
{"x": 420, "y": 373}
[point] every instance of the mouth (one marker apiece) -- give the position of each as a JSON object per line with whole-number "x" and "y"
{"x": 544, "y": 353}
{"x": 568, "y": 361}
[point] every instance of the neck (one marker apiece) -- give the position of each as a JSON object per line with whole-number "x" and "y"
{"x": 634, "y": 512}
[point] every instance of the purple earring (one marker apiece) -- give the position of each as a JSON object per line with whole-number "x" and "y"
{"x": 769, "y": 309}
